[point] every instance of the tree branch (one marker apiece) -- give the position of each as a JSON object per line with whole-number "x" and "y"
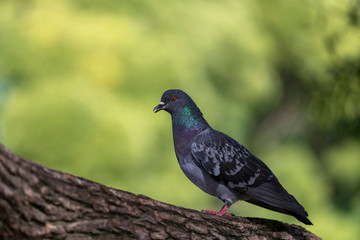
{"x": 40, "y": 203}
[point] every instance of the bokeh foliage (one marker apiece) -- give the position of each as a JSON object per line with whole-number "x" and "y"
{"x": 79, "y": 79}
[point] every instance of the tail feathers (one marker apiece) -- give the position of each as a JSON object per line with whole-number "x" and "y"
{"x": 302, "y": 218}
{"x": 273, "y": 196}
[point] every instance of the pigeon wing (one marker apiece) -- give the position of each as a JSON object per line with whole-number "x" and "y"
{"x": 229, "y": 161}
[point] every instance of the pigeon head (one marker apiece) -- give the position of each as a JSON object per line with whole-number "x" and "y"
{"x": 173, "y": 101}
{"x": 184, "y": 112}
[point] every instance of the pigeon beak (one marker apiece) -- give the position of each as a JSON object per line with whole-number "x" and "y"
{"x": 159, "y": 107}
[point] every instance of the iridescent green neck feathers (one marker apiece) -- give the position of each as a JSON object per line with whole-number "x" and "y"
{"x": 188, "y": 118}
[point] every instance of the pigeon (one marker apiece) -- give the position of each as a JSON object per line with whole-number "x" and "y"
{"x": 221, "y": 166}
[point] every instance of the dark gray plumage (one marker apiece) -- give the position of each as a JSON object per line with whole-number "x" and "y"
{"x": 221, "y": 166}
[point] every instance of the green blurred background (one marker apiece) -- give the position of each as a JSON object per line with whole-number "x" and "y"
{"x": 79, "y": 80}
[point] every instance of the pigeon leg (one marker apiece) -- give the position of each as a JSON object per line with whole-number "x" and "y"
{"x": 222, "y": 212}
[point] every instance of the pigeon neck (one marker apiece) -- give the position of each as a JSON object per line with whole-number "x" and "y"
{"x": 188, "y": 119}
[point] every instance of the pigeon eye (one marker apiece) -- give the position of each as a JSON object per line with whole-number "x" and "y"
{"x": 173, "y": 99}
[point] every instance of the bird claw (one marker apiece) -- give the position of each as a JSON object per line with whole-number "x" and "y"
{"x": 217, "y": 213}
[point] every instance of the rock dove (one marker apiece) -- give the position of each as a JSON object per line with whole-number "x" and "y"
{"x": 221, "y": 166}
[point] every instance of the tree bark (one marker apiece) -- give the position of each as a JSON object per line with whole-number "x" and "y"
{"x": 41, "y": 203}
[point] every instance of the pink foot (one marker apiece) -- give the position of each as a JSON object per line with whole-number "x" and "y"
{"x": 222, "y": 212}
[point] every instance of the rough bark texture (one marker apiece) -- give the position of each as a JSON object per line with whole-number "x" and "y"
{"x": 40, "y": 203}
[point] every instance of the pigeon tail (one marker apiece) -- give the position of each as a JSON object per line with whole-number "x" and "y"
{"x": 273, "y": 196}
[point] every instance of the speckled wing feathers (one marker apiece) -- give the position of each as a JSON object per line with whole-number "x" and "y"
{"x": 229, "y": 161}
